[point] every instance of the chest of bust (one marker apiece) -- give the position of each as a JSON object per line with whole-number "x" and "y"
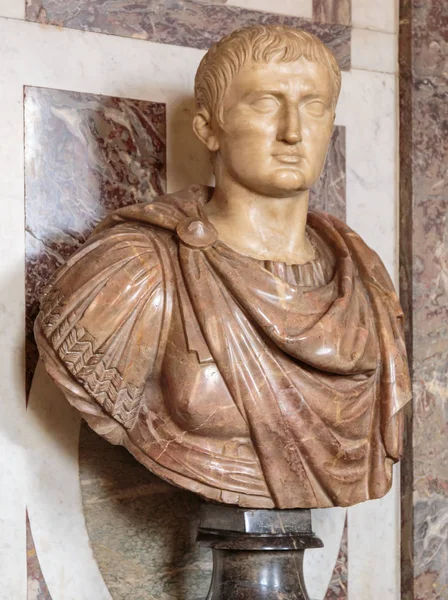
{"x": 194, "y": 391}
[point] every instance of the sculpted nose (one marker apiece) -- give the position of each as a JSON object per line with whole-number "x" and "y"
{"x": 293, "y": 136}
{"x": 290, "y": 127}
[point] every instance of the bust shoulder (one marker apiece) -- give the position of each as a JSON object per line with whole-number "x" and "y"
{"x": 102, "y": 313}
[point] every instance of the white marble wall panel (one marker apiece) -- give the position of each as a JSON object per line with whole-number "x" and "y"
{"x": 12, "y": 313}
{"x": 374, "y": 50}
{"x": 13, "y": 9}
{"x": 101, "y": 64}
{"x": 368, "y": 108}
{"x": 374, "y": 547}
{"x": 375, "y": 14}
{"x": 54, "y": 496}
{"x": 328, "y": 525}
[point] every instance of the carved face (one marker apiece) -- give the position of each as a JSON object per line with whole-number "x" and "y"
{"x": 277, "y": 124}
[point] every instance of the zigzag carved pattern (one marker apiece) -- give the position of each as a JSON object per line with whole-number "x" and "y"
{"x": 77, "y": 349}
{"x": 101, "y": 378}
{"x": 60, "y": 329}
{"x": 105, "y": 384}
{"x": 128, "y": 403}
{"x": 50, "y": 305}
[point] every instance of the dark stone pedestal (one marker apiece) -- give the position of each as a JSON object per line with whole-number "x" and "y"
{"x": 257, "y": 554}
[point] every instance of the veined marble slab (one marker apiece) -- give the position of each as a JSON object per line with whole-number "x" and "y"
{"x": 425, "y": 126}
{"x": 85, "y": 155}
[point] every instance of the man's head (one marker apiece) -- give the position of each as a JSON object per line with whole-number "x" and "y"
{"x": 265, "y": 100}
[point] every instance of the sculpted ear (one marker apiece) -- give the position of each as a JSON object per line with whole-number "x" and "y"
{"x": 204, "y": 130}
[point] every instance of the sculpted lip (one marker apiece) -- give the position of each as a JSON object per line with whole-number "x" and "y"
{"x": 288, "y": 158}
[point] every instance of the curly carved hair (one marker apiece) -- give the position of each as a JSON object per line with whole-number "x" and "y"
{"x": 259, "y": 43}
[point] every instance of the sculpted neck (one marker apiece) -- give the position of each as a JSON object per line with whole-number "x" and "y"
{"x": 261, "y": 227}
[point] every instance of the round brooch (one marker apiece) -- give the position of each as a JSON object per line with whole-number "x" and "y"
{"x": 195, "y": 233}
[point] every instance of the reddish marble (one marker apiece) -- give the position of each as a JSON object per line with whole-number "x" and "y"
{"x": 430, "y": 38}
{"x": 132, "y": 319}
{"x": 332, "y": 11}
{"x": 85, "y": 155}
{"x": 179, "y": 22}
{"x": 406, "y": 283}
{"x": 424, "y": 268}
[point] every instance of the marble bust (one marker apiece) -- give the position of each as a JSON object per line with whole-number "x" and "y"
{"x": 236, "y": 343}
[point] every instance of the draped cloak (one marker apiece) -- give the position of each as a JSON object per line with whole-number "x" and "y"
{"x": 223, "y": 377}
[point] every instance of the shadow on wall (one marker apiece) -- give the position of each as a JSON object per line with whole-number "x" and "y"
{"x": 142, "y": 529}
{"x": 188, "y": 159}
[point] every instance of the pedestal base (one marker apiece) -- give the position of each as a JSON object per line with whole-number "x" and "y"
{"x": 257, "y": 554}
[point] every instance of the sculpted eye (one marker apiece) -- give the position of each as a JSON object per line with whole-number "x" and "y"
{"x": 266, "y": 103}
{"x": 316, "y": 108}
